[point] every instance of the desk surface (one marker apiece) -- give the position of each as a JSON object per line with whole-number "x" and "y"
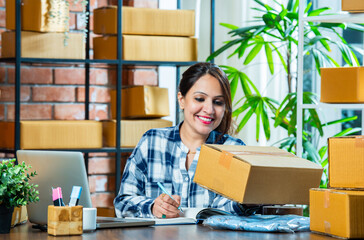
{"x": 184, "y": 232}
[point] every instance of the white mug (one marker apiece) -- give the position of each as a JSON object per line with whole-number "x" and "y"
{"x": 89, "y": 219}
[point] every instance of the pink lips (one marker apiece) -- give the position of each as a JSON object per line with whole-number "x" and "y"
{"x": 204, "y": 121}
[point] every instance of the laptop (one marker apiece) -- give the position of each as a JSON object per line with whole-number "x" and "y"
{"x": 63, "y": 169}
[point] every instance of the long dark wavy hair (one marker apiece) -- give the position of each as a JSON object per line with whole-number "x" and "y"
{"x": 194, "y": 73}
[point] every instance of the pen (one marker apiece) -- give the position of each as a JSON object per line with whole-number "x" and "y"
{"x": 165, "y": 191}
{"x": 57, "y": 196}
{"x": 75, "y": 195}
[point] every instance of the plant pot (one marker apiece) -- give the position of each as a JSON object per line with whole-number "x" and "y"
{"x": 5, "y": 218}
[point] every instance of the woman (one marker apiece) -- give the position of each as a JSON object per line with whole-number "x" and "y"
{"x": 169, "y": 155}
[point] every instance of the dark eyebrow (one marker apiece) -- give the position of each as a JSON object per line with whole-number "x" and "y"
{"x": 199, "y": 92}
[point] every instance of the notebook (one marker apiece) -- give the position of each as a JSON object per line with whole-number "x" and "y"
{"x": 189, "y": 216}
{"x": 63, "y": 169}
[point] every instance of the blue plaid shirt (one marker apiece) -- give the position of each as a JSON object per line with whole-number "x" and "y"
{"x": 160, "y": 156}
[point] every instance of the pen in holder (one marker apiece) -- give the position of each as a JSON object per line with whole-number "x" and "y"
{"x": 64, "y": 220}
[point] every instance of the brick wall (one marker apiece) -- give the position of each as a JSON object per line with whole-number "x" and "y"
{"x": 57, "y": 92}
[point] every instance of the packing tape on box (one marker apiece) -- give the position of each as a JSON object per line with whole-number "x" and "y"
{"x": 227, "y": 156}
{"x": 327, "y": 226}
{"x": 326, "y": 199}
{"x": 147, "y": 102}
{"x": 225, "y": 159}
{"x": 359, "y": 141}
{"x": 281, "y": 154}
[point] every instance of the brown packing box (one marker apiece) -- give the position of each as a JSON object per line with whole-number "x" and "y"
{"x": 147, "y": 48}
{"x": 256, "y": 175}
{"x": 44, "y": 45}
{"x": 346, "y": 162}
{"x": 342, "y": 85}
{"x": 106, "y": 212}
{"x": 64, "y": 220}
{"x": 337, "y": 212}
{"x": 145, "y": 21}
{"x": 352, "y": 5}
{"x": 53, "y": 134}
{"x": 131, "y": 131}
{"x": 36, "y": 15}
{"x": 141, "y": 102}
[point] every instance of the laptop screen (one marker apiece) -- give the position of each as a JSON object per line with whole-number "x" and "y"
{"x": 55, "y": 169}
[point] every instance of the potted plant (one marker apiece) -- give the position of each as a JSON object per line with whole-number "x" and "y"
{"x": 15, "y": 190}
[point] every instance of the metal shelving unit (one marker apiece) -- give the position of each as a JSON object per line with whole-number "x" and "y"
{"x": 334, "y": 18}
{"x": 119, "y": 62}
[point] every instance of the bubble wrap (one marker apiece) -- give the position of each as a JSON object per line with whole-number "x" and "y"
{"x": 260, "y": 223}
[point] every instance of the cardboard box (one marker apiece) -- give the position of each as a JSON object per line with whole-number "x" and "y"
{"x": 131, "y": 131}
{"x": 256, "y": 175}
{"x": 352, "y": 5}
{"x": 346, "y": 162}
{"x": 145, "y": 21}
{"x": 336, "y": 212}
{"x": 53, "y": 134}
{"x": 39, "y": 15}
{"x": 64, "y": 220}
{"x": 44, "y": 45}
{"x": 342, "y": 85}
{"x": 147, "y": 48}
{"x": 106, "y": 212}
{"x": 141, "y": 102}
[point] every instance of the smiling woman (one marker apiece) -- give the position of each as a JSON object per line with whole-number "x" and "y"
{"x": 206, "y": 106}
{"x": 170, "y": 155}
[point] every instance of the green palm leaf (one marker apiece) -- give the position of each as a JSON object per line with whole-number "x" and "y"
{"x": 268, "y": 53}
{"x": 265, "y": 119}
{"x": 257, "y": 120}
{"x": 230, "y": 26}
{"x": 253, "y": 53}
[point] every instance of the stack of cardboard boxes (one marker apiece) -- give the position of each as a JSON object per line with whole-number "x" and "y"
{"x": 44, "y": 34}
{"x": 43, "y": 25}
{"x": 148, "y": 34}
{"x": 339, "y": 210}
{"x": 141, "y": 109}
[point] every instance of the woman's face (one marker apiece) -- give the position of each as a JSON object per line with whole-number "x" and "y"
{"x": 203, "y": 105}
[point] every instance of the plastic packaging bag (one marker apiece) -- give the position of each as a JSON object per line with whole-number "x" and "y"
{"x": 260, "y": 223}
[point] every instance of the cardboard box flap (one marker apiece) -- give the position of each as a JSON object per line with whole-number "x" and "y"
{"x": 278, "y": 161}
{"x": 257, "y": 149}
{"x": 339, "y": 191}
{"x": 265, "y": 156}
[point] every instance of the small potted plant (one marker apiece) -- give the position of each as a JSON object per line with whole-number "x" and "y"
{"x": 15, "y": 190}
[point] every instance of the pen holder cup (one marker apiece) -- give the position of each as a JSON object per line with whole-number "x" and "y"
{"x": 64, "y": 220}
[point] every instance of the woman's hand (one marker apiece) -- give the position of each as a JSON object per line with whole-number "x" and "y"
{"x": 166, "y": 207}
